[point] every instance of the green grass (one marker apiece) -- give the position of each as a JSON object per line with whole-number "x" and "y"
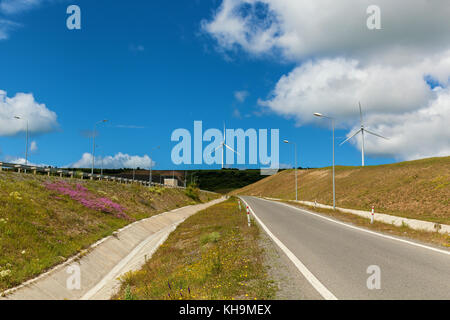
{"x": 414, "y": 189}
{"x": 212, "y": 255}
{"x": 40, "y": 228}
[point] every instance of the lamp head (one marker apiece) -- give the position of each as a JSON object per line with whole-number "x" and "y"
{"x": 318, "y": 114}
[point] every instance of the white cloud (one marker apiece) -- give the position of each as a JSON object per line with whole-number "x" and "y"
{"x": 334, "y": 87}
{"x": 304, "y": 29}
{"x": 136, "y": 48}
{"x": 40, "y": 118}
{"x": 33, "y": 146}
{"x": 16, "y": 6}
{"x": 341, "y": 62}
{"x": 412, "y": 135}
{"x": 117, "y": 161}
{"x": 241, "y": 95}
{"x": 6, "y": 26}
{"x": 15, "y": 160}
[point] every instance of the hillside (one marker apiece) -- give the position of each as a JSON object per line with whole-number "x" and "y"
{"x": 414, "y": 189}
{"x": 45, "y": 220}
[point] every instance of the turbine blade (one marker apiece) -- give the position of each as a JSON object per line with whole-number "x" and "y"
{"x": 231, "y": 149}
{"x": 360, "y": 114}
{"x": 351, "y": 137}
{"x": 375, "y": 134}
{"x": 221, "y": 146}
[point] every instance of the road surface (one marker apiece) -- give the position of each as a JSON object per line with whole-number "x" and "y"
{"x": 335, "y": 256}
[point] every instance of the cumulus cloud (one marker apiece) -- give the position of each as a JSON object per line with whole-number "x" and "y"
{"x": 118, "y": 161}
{"x": 40, "y": 118}
{"x": 413, "y": 135}
{"x": 303, "y": 29}
{"x": 334, "y": 87}
{"x": 22, "y": 161}
{"x": 341, "y": 62}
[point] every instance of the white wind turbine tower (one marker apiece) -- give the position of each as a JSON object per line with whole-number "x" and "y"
{"x": 224, "y": 145}
{"x": 362, "y": 131}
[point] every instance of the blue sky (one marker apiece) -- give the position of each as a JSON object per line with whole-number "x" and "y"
{"x": 149, "y": 67}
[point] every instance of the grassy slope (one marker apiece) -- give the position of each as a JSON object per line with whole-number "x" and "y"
{"x": 212, "y": 255}
{"x": 40, "y": 228}
{"x": 415, "y": 189}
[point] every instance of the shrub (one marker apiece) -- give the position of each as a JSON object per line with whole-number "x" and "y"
{"x": 193, "y": 192}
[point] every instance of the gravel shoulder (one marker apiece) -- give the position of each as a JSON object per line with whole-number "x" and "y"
{"x": 290, "y": 282}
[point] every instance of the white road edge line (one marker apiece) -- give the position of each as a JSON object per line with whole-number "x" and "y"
{"x": 320, "y": 288}
{"x": 361, "y": 229}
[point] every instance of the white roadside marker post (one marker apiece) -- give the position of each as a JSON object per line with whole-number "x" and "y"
{"x": 239, "y": 201}
{"x": 372, "y": 215}
{"x": 248, "y": 216}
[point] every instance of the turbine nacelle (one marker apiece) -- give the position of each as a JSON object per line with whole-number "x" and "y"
{"x": 224, "y": 145}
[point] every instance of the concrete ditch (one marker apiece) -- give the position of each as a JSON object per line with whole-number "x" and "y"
{"x": 100, "y": 266}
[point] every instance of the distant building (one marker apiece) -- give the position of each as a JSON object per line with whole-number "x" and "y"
{"x": 171, "y": 182}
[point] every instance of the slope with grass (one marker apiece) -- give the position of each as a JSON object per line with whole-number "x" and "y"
{"x": 46, "y": 220}
{"x": 212, "y": 255}
{"x": 414, "y": 189}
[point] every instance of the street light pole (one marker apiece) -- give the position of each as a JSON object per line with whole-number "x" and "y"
{"x": 150, "y": 179}
{"x": 334, "y": 184}
{"x": 26, "y": 140}
{"x": 93, "y": 146}
{"x": 296, "y": 183}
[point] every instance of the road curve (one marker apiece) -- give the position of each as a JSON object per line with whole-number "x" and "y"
{"x": 339, "y": 255}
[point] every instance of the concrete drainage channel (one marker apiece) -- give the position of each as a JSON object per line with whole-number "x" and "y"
{"x": 99, "y": 268}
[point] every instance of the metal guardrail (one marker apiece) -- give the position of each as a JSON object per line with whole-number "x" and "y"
{"x": 50, "y": 171}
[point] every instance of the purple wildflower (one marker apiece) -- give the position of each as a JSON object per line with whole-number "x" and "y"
{"x": 87, "y": 199}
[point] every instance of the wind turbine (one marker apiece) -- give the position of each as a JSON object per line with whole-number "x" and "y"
{"x": 224, "y": 145}
{"x": 362, "y": 131}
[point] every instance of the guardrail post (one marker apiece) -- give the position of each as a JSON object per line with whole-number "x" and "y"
{"x": 248, "y": 216}
{"x": 372, "y": 215}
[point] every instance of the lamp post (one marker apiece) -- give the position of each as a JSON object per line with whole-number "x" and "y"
{"x": 295, "y": 149}
{"x": 93, "y": 146}
{"x": 26, "y": 141}
{"x": 334, "y": 185}
{"x": 150, "y": 178}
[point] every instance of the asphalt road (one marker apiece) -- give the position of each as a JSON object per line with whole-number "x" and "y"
{"x": 339, "y": 255}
